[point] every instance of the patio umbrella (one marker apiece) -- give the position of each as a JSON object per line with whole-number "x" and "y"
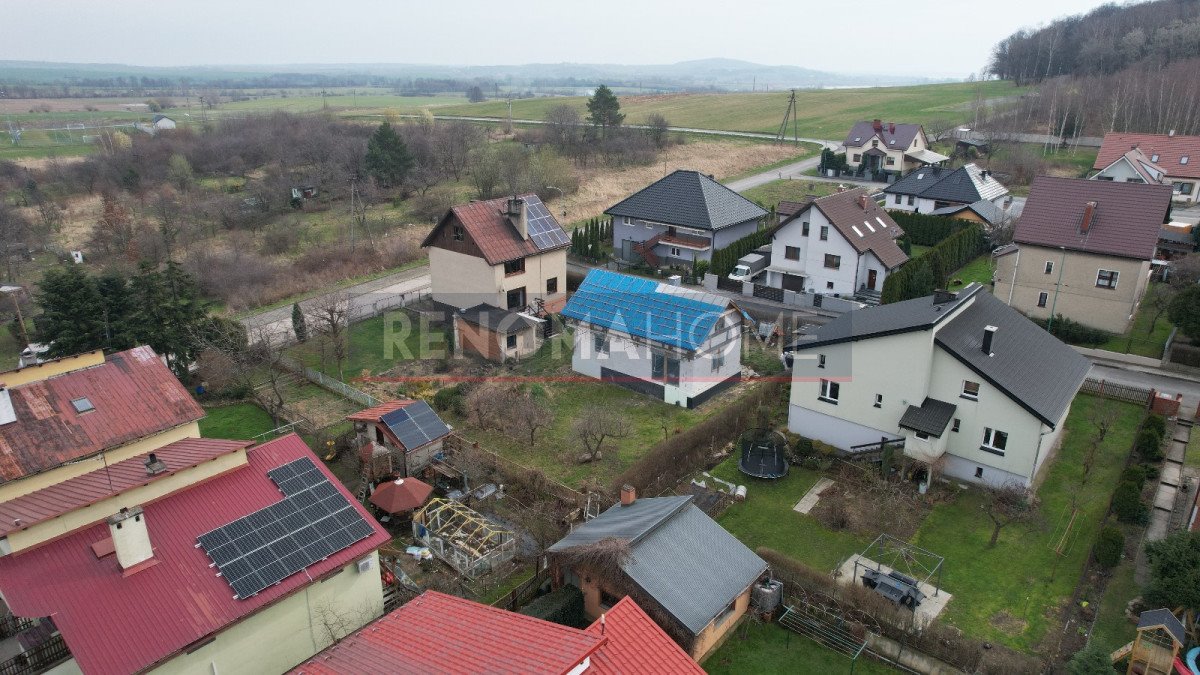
{"x": 402, "y": 494}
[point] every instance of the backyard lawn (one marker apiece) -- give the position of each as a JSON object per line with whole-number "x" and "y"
{"x": 1112, "y": 629}
{"x": 375, "y": 346}
{"x": 772, "y": 193}
{"x": 979, "y": 269}
{"x": 239, "y": 421}
{"x": 1142, "y": 339}
{"x": 768, "y": 648}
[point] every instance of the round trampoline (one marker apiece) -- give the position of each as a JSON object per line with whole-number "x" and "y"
{"x": 764, "y": 453}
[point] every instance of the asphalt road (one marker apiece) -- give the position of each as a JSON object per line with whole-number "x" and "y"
{"x": 1163, "y": 381}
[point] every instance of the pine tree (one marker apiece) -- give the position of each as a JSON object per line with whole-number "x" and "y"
{"x": 299, "y": 326}
{"x": 388, "y": 159}
{"x": 117, "y": 312}
{"x": 169, "y": 316}
{"x": 604, "y": 110}
{"x": 72, "y": 312}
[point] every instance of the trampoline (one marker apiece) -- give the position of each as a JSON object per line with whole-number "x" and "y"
{"x": 763, "y": 454}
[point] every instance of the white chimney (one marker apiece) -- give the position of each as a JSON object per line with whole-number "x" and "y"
{"x": 7, "y": 413}
{"x": 518, "y": 213}
{"x": 131, "y": 540}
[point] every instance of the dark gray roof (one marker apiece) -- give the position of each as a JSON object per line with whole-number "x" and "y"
{"x": 930, "y": 417}
{"x": 681, "y": 558}
{"x": 983, "y": 208}
{"x": 1033, "y": 367}
{"x": 688, "y": 199}
{"x": 964, "y": 185}
{"x": 898, "y": 317}
{"x": 1164, "y": 618}
{"x": 497, "y": 320}
{"x": 894, "y": 136}
{"x": 918, "y": 181}
{"x": 1178, "y": 237}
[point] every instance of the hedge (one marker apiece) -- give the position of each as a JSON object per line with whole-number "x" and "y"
{"x": 1149, "y": 445}
{"x": 919, "y": 277}
{"x": 1109, "y": 547}
{"x": 564, "y": 606}
{"x": 1127, "y": 503}
{"x": 926, "y": 230}
{"x": 1073, "y": 332}
{"x": 724, "y": 260}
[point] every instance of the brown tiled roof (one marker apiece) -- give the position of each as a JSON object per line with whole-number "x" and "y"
{"x": 133, "y": 394}
{"x": 1125, "y": 223}
{"x": 786, "y": 209}
{"x": 492, "y": 232}
{"x": 876, "y": 231}
{"x": 864, "y": 131}
{"x": 1170, "y": 150}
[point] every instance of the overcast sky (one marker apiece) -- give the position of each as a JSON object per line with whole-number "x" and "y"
{"x": 913, "y": 37}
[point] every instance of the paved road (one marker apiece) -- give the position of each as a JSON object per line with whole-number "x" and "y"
{"x": 1171, "y": 383}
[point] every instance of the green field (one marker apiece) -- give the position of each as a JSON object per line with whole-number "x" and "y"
{"x": 824, "y": 113}
{"x": 343, "y": 103}
{"x": 787, "y": 190}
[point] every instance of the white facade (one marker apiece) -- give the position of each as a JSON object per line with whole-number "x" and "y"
{"x": 1120, "y": 171}
{"x": 852, "y": 271}
{"x": 914, "y": 204}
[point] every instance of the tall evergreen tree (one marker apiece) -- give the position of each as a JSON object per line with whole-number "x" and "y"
{"x": 72, "y": 312}
{"x": 604, "y": 110}
{"x": 170, "y": 316}
{"x": 299, "y": 326}
{"x": 117, "y": 306}
{"x": 388, "y": 159}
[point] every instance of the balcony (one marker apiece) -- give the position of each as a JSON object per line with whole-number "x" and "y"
{"x": 686, "y": 241}
{"x": 30, "y": 647}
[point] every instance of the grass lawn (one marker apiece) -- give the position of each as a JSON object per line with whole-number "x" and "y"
{"x": 979, "y": 269}
{"x": 1112, "y": 629}
{"x": 919, "y": 250}
{"x": 10, "y": 345}
{"x": 240, "y": 421}
{"x": 1012, "y": 593}
{"x": 766, "y": 518}
{"x": 828, "y": 113}
{"x": 1142, "y": 339}
{"x": 375, "y": 346}
{"x": 768, "y": 648}
{"x": 772, "y": 193}
{"x": 1192, "y": 457}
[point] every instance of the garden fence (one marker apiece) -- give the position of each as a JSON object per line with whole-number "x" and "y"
{"x": 1118, "y": 392}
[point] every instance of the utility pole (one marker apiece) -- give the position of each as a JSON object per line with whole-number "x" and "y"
{"x": 14, "y": 292}
{"x": 795, "y": 119}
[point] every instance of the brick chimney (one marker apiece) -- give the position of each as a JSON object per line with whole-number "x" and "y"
{"x": 518, "y": 214}
{"x": 131, "y": 540}
{"x": 1089, "y": 212}
{"x": 628, "y": 495}
{"x": 877, "y": 125}
{"x": 862, "y": 202}
{"x": 989, "y": 336}
{"x": 891, "y": 127}
{"x": 154, "y": 465}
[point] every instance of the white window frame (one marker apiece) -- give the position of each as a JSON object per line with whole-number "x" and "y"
{"x": 1116, "y": 277}
{"x": 968, "y": 395}
{"x": 830, "y": 391}
{"x": 878, "y": 400}
{"x": 675, "y": 251}
{"x": 990, "y": 436}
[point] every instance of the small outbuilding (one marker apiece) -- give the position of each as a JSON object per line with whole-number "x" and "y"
{"x": 497, "y": 334}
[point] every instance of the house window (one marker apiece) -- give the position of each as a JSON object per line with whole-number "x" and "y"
{"x": 891, "y": 161}
{"x": 379, "y": 435}
{"x": 979, "y": 472}
{"x": 625, "y": 219}
{"x": 516, "y": 298}
{"x": 664, "y": 369}
{"x": 828, "y": 287}
{"x": 994, "y": 441}
{"x": 820, "y": 360}
{"x": 791, "y": 252}
{"x": 511, "y": 341}
{"x": 1106, "y": 279}
{"x": 857, "y": 157}
{"x": 1042, "y": 297}
{"x": 607, "y": 600}
{"x": 874, "y": 144}
{"x": 897, "y": 200}
{"x": 878, "y": 400}
{"x": 830, "y": 391}
{"x": 1154, "y": 157}
{"x": 514, "y": 267}
{"x": 1182, "y": 188}
{"x": 970, "y": 390}
{"x": 600, "y": 343}
{"x": 718, "y": 362}
{"x": 954, "y": 426}
{"x": 832, "y": 261}
{"x": 922, "y": 435}
{"x": 1049, "y": 267}
{"x": 804, "y": 229}
{"x": 912, "y": 200}
{"x": 458, "y": 233}
{"x": 552, "y": 285}
{"x": 824, "y": 233}
{"x": 83, "y": 404}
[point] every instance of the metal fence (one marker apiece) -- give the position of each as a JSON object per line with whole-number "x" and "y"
{"x": 368, "y": 311}
{"x": 330, "y": 383}
{"x": 1118, "y": 392}
{"x": 37, "y": 660}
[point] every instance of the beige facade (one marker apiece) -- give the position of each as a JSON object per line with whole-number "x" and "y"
{"x": 461, "y": 280}
{"x": 893, "y": 159}
{"x": 1037, "y": 280}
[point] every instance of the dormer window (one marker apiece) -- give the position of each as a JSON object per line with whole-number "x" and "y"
{"x": 82, "y": 405}
{"x": 874, "y": 144}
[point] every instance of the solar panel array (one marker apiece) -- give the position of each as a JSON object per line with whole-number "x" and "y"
{"x": 415, "y": 424}
{"x": 313, "y": 521}
{"x": 544, "y": 230}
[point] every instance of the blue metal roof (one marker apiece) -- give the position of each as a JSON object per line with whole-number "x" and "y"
{"x": 645, "y": 308}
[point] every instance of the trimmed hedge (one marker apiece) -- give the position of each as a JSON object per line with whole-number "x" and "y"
{"x": 1109, "y": 547}
{"x": 1127, "y": 504}
{"x": 926, "y": 230}
{"x": 564, "y": 606}
{"x": 1149, "y": 445}
{"x": 724, "y": 260}
{"x": 921, "y": 276}
{"x": 1073, "y": 332}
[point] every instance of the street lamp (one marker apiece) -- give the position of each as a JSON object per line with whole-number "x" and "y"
{"x": 13, "y": 292}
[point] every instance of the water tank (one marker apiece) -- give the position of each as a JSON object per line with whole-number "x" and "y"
{"x": 766, "y": 596}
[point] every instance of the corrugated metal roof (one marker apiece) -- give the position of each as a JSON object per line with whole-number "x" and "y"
{"x": 134, "y": 396}
{"x": 688, "y": 199}
{"x": 672, "y": 315}
{"x": 495, "y": 235}
{"x": 636, "y": 645}
{"x": 1125, "y": 223}
{"x": 438, "y": 633}
{"x": 1169, "y": 149}
{"x": 123, "y": 624}
{"x": 374, "y": 413}
{"x": 931, "y": 417}
{"x": 78, "y": 492}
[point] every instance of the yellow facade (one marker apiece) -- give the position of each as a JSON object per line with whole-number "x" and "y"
{"x": 463, "y": 281}
{"x": 49, "y": 369}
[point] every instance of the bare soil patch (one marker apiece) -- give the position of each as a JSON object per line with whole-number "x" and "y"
{"x": 860, "y": 502}
{"x": 1008, "y": 624}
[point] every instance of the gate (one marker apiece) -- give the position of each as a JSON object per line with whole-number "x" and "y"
{"x": 726, "y": 284}
{"x": 768, "y": 293}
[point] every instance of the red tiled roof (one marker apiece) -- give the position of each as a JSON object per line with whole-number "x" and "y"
{"x": 636, "y": 645}
{"x": 76, "y": 493}
{"x": 1126, "y": 221}
{"x": 1170, "y": 150}
{"x": 134, "y": 395}
{"x": 373, "y": 413}
{"x": 123, "y": 624}
{"x": 438, "y": 633}
{"x": 845, "y": 211}
{"x": 492, "y": 232}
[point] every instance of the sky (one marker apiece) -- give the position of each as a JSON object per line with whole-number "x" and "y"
{"x": 931, "y": 38}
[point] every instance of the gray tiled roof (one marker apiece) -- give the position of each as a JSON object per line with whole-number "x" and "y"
{"x": 964, "y": 185}
{"x": 497, "y": 320}
{"x": 864, "y": 131}
{"x": 931, "y": 417}
{"x": 897, "y": 317}
{"x": 983, "y": 208}
{"x": 682, "y": 558}
{"x": 688, "y": 199}
{"x": 1033, "y": 367}
{"x": 1164, "y": 618}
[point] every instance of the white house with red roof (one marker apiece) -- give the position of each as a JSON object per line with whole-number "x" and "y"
{"x": 439, "y": 633}
{"x": 206, "y": 556}
{"x": 1177, "y": 157}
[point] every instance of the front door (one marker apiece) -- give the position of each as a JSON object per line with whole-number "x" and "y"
{"x": 871, "y": 279}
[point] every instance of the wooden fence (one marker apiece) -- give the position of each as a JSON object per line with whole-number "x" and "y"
{"x": 1118, "y": 392}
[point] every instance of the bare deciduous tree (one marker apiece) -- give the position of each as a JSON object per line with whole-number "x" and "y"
{"x": 1007, "y": 504}
{"x": 595, "y": 426}
{"x": 528, "y": 415}
{"x": 329, "y": 318}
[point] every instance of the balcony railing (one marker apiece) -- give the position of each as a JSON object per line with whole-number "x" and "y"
{"x": 686, "y": 241}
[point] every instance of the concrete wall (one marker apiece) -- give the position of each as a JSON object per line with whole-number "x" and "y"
{"x": 283, "y": 635}
{"x": 1079, "y": 298}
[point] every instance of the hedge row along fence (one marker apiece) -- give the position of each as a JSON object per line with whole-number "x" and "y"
{"x": 921, "y": 276}
{"x": 681, "y": 455}
{"x": 724, "y": 259}
{"x": 925, "y": 230}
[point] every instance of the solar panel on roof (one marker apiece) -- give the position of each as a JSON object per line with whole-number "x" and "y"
{"x": 415, "y": 424}
{"x": 263, "y": 548}
{"x": 543, "y": 229}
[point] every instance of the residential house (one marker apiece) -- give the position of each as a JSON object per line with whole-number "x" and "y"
{"x": 1082, "y": 249}
{"x": 400, "y": 437}
{"x": 439, "y": 633}
{"x": 1174, "y": 155}
{"x": 681, "y": 218}
{"x": 962, "y": 380}
{"x": 932, "y": 188}
{"x": 497, "y": 334}
{"x": 676, "y": 344}
{"x": 696, "y": 575}
{"x": 65, "y": 417}
{"x": 508, "y": 253}
{"x": 162, "y": 122}
{"x": 836, "y": 245}
{"x": 1134, "y": 166}
{"x": 205, "y": 556}
{"x": 1175, "y": 240}
{"x": 984, "y": 212}
{"x": 889, "y": 147}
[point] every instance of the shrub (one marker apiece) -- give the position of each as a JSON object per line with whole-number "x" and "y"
{"x": 1134, "y": 474}
{"x": 1127, "y": 503}
{"x": 1073, "y": 332}
{"x": 1149, "y": 446}
{"x": 1109, "y": 547}
{"x": 564, "y": 606}
{"x": 1157, "y": 424}
{"x": 926, "y": 230}
{"x": 1186, "y": 355}
{"x": 450, "y": 399}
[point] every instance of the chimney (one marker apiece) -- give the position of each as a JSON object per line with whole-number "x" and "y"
{"x": 518, "y": 213}
{"x": 942, "y": 296}
{"x": 989, "y": 334}
{"x": 891, "y": 127}
{"x": 7, "y": 413}
{"x": 877, "y": 125}
{"x": 862, "y": 202}
{"x": 131, "y": 540}
{"x": 628, "y": 495}
{"x": 1089, "y": 212}
{"x": 154, "y": 465}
